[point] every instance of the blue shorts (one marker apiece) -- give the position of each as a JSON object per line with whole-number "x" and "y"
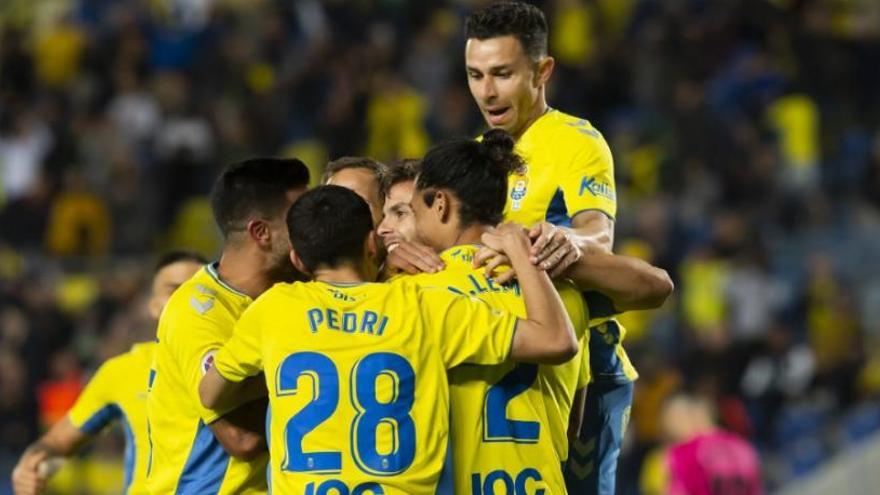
{"x": 591, "y": 468}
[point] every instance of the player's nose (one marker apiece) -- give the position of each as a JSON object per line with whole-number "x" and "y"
{"x": 488, "y": 91}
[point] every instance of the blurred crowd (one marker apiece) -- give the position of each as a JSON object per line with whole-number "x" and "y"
{"x": 746, "y": 139}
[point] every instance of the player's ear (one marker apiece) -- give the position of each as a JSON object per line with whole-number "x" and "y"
{"x": 298, "y": 263}
{"x": 154, "y": 306}
{"x": 442, "y": 205}
{"x": 259, "y": 231}
{"x": 544, "y": 70}
{"x": 371, "y": 246}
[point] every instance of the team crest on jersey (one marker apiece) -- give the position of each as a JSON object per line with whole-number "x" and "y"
{"x": 208, "y": 361}
{"x": 519, "y": 190}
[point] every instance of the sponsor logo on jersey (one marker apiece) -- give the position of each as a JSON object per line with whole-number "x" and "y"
{"x": 597, "y": 188}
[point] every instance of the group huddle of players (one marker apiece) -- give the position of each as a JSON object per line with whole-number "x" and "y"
{"x": 442, "y": 325}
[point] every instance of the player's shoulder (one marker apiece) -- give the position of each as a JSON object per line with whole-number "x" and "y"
{"x": 570, "y": 133}
{"x": 123, "y": 365}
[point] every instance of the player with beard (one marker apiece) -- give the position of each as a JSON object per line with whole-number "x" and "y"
{"x": 200, "y": 450}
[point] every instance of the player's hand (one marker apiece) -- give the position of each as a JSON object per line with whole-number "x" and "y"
{"x": 491, "y": 260}
{"x": 26, "y": 477}
{"x": 552, "y": 248}
{"x": 413, "y": 258}
{"x": 509, "y": 239}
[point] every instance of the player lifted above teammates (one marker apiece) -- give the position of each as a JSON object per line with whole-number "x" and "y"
{"x": 355, "y": 370}
{"x": 117, "y": 391}
{"x": 566, "y": 195}
{"x": 199, "y": 450}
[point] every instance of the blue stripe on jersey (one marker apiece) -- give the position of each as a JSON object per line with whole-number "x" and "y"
{"x": 100, "y": 419}
{"x": 130, "y": 453}
{"x": 557, "y": 213}
{"x": 269, "y": 448}
{"x": 601, "y": 306}
{"x": 206, "y": 465}
{"x": 607, "y": 368}
{"x": 150, "y": 446}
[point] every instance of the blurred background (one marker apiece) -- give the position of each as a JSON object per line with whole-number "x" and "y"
{"x": 746, "y": 139}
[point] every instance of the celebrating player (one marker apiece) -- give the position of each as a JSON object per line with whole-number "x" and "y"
{"x": 466, "y": 184}
{"x": 116, "y": 392}
{"x": 196, "y": 449}
{"x": 356, "y": 370}
{"x": 566, "y": 195}
{"x": 360, "y": 174}
{"x": 509, "y": 421}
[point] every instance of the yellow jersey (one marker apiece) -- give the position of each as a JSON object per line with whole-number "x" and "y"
{"x": 569, "y": 169}
{"x": 509, "y": 421}
{"x": 357, "y": 380}
{"x": 186, "y": 457}
{"x": 118, "y": 390}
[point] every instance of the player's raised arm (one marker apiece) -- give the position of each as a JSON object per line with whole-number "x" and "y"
{"x": 547, "y": 335}
{"x": 630, "y": 283}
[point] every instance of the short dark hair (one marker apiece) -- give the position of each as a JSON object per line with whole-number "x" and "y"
{"x": 171, "y": 257}
{"x": 400, "y": 171}
{"x": 255, "y": 187}
{"x": 377, "y": 167}
{"x": 475, "y": 172}
{"x": 328, "y": 225}
{"x": 524, "y": 22}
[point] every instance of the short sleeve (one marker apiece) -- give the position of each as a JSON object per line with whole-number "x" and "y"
{"x": 589, "y": 181}
{"x": 466, "y": 329}
{"x": 95, "y": 407}
{"x": 193, "y": 347}
{"x": 241, "y": 357}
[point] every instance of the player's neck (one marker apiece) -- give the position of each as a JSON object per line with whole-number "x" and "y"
{"x": 342, "y": 274}
{"x": 243, "y": 272}
{"x": 469, "y": 235}
{"x": 537, "y": 112}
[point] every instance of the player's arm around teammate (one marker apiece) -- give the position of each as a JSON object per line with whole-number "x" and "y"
{"x": 547, "y": 336}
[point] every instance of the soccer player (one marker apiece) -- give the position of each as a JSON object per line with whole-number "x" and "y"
{"x": 459, "y": 194}
{"x": 196, "y": 449}
{"x": 397, "y": 221}
{"x": 356, "y": 370}
{"x": 360, "y": 174}
{"x": 704, "y": 460}
{"x": 117, "y": 391}
{"x": 566, "y": 195}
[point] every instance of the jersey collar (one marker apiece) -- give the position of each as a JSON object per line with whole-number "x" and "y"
{"x": 211, "y": 268}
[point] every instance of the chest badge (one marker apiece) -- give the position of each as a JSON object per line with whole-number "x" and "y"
{"x": 520, "y": 183}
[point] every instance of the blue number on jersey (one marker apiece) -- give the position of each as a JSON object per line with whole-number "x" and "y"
{"x": 370, "y": 412}
{"x": 496, "y": 426}
{"x": 325, "y": 393}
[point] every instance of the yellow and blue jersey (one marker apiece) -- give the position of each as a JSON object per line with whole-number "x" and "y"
{"x": 186, "y": 457}
{"x": 118, "y": 391}
{"x": 569, "y": 169}
{"x": 509, "y": 421}
{"x": 357, "y": 382}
